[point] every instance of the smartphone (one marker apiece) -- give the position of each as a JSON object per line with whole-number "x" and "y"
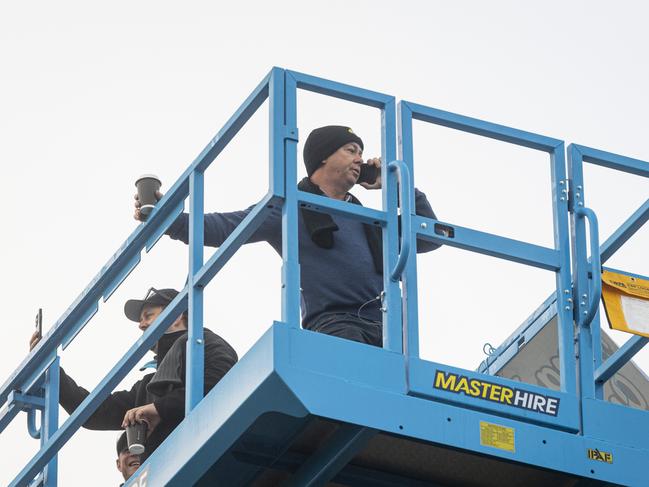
{"x": 368, "y": 174}
{"x": 39, "y": 322}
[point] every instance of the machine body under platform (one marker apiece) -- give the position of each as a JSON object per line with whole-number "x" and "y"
{"x": 298, "y": 399}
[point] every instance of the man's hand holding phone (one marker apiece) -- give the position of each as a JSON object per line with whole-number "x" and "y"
{"x": 38, "y": 334}
{"x": 370, "y": 176}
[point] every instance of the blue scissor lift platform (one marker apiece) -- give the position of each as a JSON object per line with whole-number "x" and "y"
{"x": 302, "y": 408}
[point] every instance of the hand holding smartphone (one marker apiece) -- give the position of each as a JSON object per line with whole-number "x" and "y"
{"x": 369, "y": 173}
{"x": 39, "y": 323}
{"x": 38, "y": 334}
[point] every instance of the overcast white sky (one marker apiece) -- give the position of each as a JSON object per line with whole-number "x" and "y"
{"x": 93, "y": 95}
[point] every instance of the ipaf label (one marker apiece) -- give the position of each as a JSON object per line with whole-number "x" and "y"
{"x": 600, "y": 456}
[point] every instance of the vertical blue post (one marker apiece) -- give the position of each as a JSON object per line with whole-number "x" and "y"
{"x": 596, "y": 333}
{"x": 392, "y": 318}
{"x": 565, "y": 340}
{"x": 195, "y": 341}
{"x": 290, "y": 216}
{"x": 283, "y": 150}
{"x": 411, "y": 310}
{"x": 50, "y": 420}
{"x": 581, "y": 292}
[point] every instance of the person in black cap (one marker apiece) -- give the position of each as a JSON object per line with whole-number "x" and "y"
{"x": 341, "y": 259}
{"x": 158, "y": 399}
{"x": 127, "y": 463}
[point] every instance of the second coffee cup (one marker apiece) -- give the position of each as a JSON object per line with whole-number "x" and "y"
{"x": 147, "y": 186}
{"x": 136, "y": 437}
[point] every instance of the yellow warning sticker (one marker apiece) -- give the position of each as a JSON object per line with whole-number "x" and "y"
{"x": 626, "y": 301}
{"x": 497, "y": 436}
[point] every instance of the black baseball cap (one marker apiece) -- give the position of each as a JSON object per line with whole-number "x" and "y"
{"x": 122, "y": 445}
{"x": 154, "y": 297}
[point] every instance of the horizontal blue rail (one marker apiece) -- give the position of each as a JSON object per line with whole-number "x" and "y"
{"x": 613, "y": 161}
{"x": 487, "y": 243}
{"x": 340, "y": 90}
{"x": 336, "y": 207}
{"x": 482, "y": 128}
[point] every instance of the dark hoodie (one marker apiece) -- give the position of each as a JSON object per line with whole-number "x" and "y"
{"x": 165, "y": 388}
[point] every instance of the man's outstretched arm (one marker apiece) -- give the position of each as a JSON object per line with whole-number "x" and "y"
{"x": 109, "y": 414}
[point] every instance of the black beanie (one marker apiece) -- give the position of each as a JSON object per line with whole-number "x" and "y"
{"x": 324, "y": 141}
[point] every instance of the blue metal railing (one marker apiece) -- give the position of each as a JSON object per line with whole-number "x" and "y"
{"x": 593, "y": 374}
{"x": 406, "y": 233}
{"x": 280, "y": 87}
{"x": 586, "y": 316}
{"x": 556, "y": 260}
{"x": 28, "y": 375}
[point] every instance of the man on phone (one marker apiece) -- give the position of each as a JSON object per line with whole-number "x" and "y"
{"x": 158, "y": 399}
{"x": 340, "y": 258}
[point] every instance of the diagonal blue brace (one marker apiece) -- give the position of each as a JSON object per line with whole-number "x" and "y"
{"x": 619, "y": 359}
{"x": 324, "y": 464}
{"x": 17, "y": 402}
{"x": 26, "y": 401}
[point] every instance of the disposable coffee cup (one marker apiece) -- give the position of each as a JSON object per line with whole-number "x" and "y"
{"x": 147, "y": 185}
{"x": 135, "y": 438}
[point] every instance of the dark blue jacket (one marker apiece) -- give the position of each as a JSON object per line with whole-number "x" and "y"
{"x": 340, "y": 279}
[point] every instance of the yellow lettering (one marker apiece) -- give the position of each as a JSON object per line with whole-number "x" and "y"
{"x": 495, "y": 393}
{"x": 485, "y": 389}
{"x": 506, "y": 395}
{"x": 445, "y": 381}
{"x": 475, "y": 388}
{"x": 463, "y": 386}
